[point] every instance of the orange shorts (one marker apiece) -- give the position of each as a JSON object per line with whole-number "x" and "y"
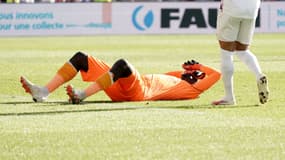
{"x": 124, "y": 89}
{"x": 96, "y": 68}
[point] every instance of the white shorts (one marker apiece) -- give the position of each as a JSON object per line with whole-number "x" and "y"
{"x": 230, "y": 29}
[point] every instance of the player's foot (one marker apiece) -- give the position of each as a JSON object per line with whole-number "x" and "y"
{"x": 263, "y": 91}
{"x": 224, "y": 102}
{"x": 75, "y": 96}
{"x": 38, "y": 93}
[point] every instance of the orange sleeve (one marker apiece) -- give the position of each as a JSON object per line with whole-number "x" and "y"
{"x": 175, "y": 73}
{"x": 212, "y": 76}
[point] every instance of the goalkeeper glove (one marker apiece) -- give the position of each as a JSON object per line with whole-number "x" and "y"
{"x": 188, "y": 76}
{"x": 192, "y": 76}
{"x": 191, "y": 65}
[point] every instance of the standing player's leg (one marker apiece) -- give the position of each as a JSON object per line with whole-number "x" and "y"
{"x": 64, "y": 74}
{"x": 227, "y": 69}
{"x": 227, "y": 31}
{"x": 247, "y": 57}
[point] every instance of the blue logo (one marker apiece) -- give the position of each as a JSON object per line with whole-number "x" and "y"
{"x": 147, "y": 20}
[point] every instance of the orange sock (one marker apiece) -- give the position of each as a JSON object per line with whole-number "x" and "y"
{"x": 67, "y": 71}
{"x": 92, "y": 89}
{"x": 105, "y": 80}
{"x": 64, "y": 74}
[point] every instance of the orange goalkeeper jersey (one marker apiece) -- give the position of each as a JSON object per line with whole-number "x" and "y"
{"x": 138, "y": 87}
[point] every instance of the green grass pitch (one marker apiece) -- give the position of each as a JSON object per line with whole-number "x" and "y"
{"x": 100, "y": 129}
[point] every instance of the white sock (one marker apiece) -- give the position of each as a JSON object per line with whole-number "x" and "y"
{"x": 81, "y": 94}
{"x": 227, "y": 68}
{"x": 45, "y": 91}
{"x": 248, "y": 58}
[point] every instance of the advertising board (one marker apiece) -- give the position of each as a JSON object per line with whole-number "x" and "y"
{"x": 125, "y": 18}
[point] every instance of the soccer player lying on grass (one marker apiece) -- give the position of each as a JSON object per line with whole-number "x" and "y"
{"x": 122, "y": 82}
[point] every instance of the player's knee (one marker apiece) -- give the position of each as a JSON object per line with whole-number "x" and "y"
{"x": 241, "y": 47}
{"x": 228, "y": 46}
{"x": 80, "y": 61}
{"x": 121, "y": 69}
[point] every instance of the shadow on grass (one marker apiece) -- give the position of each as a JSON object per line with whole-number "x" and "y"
{"x": 66, "y": 111}
{"x": 57, "y": 102}
{"x": 60, "y": 103}
{"x": 208, "y": 106}
{"x": 146, "y": 106}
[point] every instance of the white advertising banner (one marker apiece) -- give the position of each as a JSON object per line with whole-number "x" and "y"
{"x": 52, "y": 19}
{"x": 125, "y": 18}
{"x": 165, "y": 18}
{"x": 275, "y": 15}
{"x": 272, "y": 17}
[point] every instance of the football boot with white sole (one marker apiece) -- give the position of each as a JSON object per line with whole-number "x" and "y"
{"x": 38, "y": 93}
{"x": 75, "y": 96}
{"x": 263, "y": 91}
